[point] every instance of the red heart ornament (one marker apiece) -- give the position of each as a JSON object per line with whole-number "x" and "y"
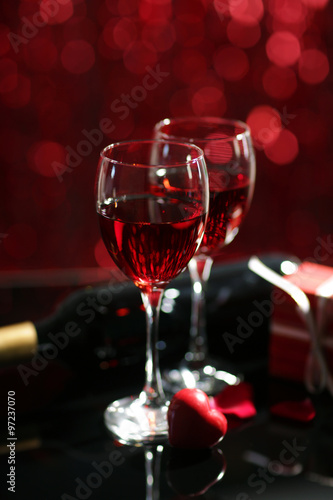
{"x": 193, "y": 424}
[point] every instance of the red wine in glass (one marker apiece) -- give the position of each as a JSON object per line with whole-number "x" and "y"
{"x": 151, "y": 239}
{"x": 227, "y": 210}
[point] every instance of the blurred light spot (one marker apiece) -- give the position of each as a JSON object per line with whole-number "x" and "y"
{"x": 167, "y": 305}
{"x": 78, "y": 56}
{"x": 56, "y": 11}
{"x": 209, "y": 101}
{"x": 279, "y": 83}
{"x": 160, "y": 34}
{"x": 20, "y": 96}
{"x": 42, "y": 154}
{"x": 283, "y": 48}
{"x": 21, "y": 241}
{"x": 8, "y": 75}
{"x": 246, "y": 11}
{"x": 284, "y": 150}
{"x": 296, "y": 29}
{"x": 172, "y": 293}
{"x": 122, "y": 311}
{"x": 316, "y": 4}
{"x": 161, "y": 171}
{"x": 231, "y": 63}
{"x": 151, "y": 10}
{"x": 40, "y": 54}
{"x": 288, "y": 11}
{"x": 265, "y": 125}
{"x": 242, "y": 35}
{"x": 108, "y": 32}
{"x": 124, "y": 33}
{"x": 313, "y": 66}
{"x": 138, "y": 56}
{"x": 288, "y": 267}
{"x": 222, "y": 8}
{"x": 101, "y": 254}
{"x": 126, "y": 7}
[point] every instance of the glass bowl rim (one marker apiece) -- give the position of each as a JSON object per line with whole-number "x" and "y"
{"x": 245, "y": 129}
{"x": 188, "y": 144}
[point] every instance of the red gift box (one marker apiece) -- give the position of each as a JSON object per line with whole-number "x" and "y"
{"x": 289, "y": 337}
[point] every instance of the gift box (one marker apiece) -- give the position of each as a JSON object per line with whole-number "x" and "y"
{"x": 290, "y": 340}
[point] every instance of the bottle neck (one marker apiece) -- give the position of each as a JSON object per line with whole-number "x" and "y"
{"x": 18, "y": 341}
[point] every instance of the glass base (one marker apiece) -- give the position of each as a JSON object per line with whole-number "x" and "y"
{"x": 132, "y": 421}
{"x": 205, "y": 376}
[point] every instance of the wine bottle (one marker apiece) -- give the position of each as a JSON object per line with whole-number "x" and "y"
{"x": 107, "y": 322}
{"x": 78, "y": 325}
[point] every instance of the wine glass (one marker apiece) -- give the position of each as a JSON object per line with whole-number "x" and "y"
{"x": 152, "y": 203}
{"x": 230, "y": 160}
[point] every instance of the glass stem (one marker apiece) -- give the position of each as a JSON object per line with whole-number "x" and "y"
{"x": 153, "y": 389}
{"x": 153, "y": 466}
{"x": 199, "y": 269}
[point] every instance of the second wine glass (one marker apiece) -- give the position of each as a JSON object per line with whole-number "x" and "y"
{"x": 230, "y": 160}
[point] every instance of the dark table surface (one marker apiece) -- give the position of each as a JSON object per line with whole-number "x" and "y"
{"x": 63, "y": 451}
{"x": 70, "y": 455}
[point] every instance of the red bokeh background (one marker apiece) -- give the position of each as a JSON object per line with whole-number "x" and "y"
{"x": 76, "y": 75}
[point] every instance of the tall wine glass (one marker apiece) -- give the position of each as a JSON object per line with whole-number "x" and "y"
{"x": 230, "y": 160}
{"x": 152, "y": 203}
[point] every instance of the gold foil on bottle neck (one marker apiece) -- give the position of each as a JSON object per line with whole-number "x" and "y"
{"x": 18, "y": 341}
